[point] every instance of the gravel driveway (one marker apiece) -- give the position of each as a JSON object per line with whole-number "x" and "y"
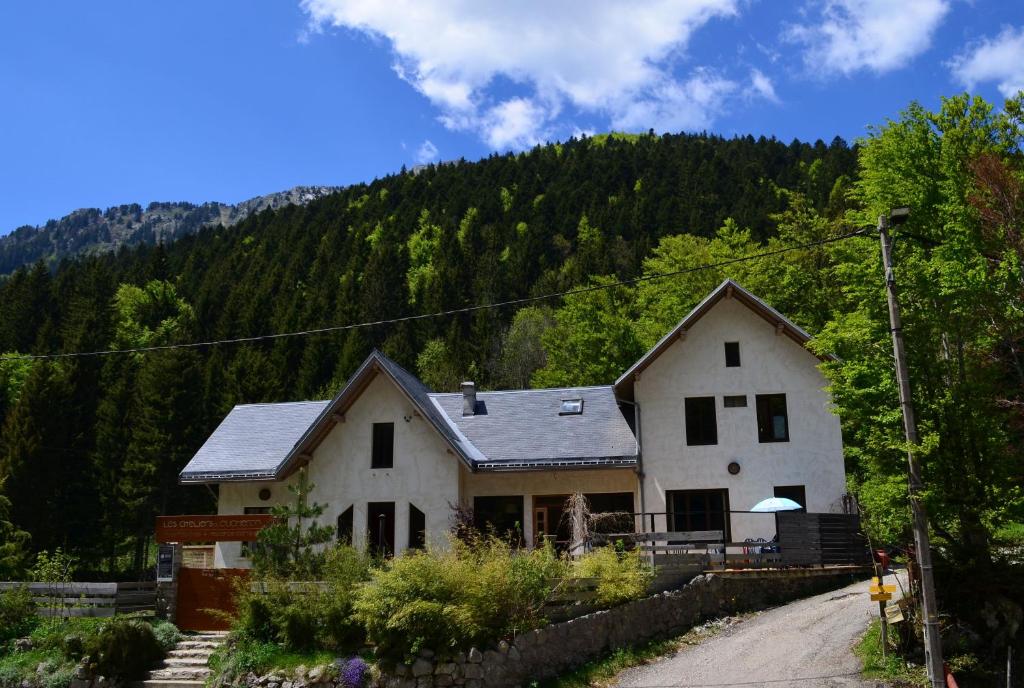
{"x": 806, "y": 644}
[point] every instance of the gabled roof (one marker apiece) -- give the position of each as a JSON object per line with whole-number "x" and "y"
{"x": 251, "y": 442}
{"x": 414, "y": 390}
{"x": 523, "y": 429}
{"x": 727, "y": 289}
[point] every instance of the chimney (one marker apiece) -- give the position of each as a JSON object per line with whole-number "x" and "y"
{"x": 469, "y": 398}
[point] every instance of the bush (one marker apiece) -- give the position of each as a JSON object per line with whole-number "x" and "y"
{"x": 447, "y": 600}
{"x": 305, "y": 616}
{"x": 17, "y": 613}
{"x": 167, "y": 634}
{"x": 622, "y": 575}
{"x": 124, "y": 648}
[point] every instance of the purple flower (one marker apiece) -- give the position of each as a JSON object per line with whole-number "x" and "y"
{"x": 353, "y": 672}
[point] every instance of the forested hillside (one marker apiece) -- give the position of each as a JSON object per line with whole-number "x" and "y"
{"x": 91, "y": 446}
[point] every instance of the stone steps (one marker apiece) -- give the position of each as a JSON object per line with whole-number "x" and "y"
{"x": 187, "y": 665}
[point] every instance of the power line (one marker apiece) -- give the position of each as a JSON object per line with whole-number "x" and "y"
{"x": 439, "y": 314}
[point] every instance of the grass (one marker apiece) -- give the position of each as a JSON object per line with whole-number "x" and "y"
{"x": 261, "y": 657}
{"x": 892, "y": 669}
{"x": 604, "y": 672}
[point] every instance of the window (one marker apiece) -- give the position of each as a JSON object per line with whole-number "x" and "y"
{"x": 417, "y": 528}
{"x": 249, "y": 547}
{"x": 691, "y": 510}
{"x": 383, "y": 445}
{"x": 739, "y": 401}
{"x": 732, "y": 354}
{"x": 795, "y": 492}
{"x": 571, "y": 407}
{"x": 380, "y": 526}
{"x": 502, "y": 515}
{"x": 772, "y": 420}
{"x": 701, "y": 427}
{"x": 345, "y": 526}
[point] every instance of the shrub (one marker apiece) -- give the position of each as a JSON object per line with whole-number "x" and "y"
{"x": 124, "y": 648}
{"x": 447, "y": 600}
{"x": 622, "y": 575}
{"x": 167, "y": 634}
{"x": 17, "y": 613}
{"x": 304, "y": 616}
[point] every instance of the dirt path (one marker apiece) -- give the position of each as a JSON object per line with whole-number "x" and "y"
{"x": 805, "y": 644}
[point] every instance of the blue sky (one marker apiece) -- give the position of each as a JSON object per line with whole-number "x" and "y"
{"x": 120, "y": 101}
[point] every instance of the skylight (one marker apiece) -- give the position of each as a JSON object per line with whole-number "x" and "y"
{"x": 571, "y": 407}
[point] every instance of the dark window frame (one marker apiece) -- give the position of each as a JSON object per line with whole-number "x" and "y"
{"x": 377, "y": 539}
{"x": 766, "y": 430}
{"x": 732, "y": 355}
{"x": 382, "y": 446}
{"x": 734, "y": 401}
{"x": 346, "y": 526}
{"x": 699, "y": 430}
{"x": 688, "y": 518}
{"x": 790, "y": 492}
{"x": 417, "y": 528}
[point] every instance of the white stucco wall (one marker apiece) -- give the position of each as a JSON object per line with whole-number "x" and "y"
{"x": 770, "y": 364}
{"x": 425, "y": 473}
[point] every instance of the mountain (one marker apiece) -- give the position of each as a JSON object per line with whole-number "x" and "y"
{"x": 90, "y": 447}
{"x": 91, "y": 231}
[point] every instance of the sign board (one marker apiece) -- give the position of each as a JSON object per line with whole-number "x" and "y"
{"x": 881, "y": 596}
{"x": 893, "y": 613}
{"x": 165, "y": 563}
{"x": 237, "y": 528}
{"x": 883, "y": 588}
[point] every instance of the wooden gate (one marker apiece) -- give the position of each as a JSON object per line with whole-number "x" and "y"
{"x": 202, "y": 590}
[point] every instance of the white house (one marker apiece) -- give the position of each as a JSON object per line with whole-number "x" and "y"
{"x": 727, "y": 409}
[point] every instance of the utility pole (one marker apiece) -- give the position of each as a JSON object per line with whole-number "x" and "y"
{"x": 932, "y": 641}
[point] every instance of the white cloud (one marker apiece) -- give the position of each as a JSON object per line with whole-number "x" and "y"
{"x": 878, "y": 35}
{"x": 1000, "y": 59}
{"x": 762, "y": 86}
{"x": 610, "y": 58}
{"x": 426, "y": 153}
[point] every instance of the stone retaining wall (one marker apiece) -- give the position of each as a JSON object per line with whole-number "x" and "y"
{"x": 552, "y": 650}
{"x": 555, "y": 649}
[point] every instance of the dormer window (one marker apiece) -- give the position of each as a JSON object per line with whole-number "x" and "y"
{"x": 732, "y": 354}
{"x": 571, "y": 407}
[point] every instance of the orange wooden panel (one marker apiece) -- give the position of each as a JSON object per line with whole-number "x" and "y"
{"x": 200, "y": 590}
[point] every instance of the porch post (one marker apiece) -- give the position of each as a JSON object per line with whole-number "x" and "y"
{"x": 528, "y": 521}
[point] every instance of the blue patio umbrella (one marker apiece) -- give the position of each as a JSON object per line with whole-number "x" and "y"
{"x": 773, "y": 504}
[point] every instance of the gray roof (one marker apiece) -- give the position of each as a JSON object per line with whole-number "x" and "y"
{"x": 252, "y": 442}
{"x": 522, "y": 429}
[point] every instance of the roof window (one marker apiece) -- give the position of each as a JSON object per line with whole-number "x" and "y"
{"x": 571, "y": 407}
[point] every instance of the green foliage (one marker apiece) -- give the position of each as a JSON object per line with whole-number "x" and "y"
{"x": 593, "y": 340}
{"x": 121, "y": 647}
{"x": 303, "y": 616}
{"x": 55, "y": 567}
{"x": 622, "y": 575}
{"x": 522, "y": 347}
{"x": 14, "y": 542}
{"x": 124, "y": 648}
{"x": 892, "y": 668}
{"x": 292, "y": 546}
{"x": 17, "y": 614}
{"x": 447, "y": 600}
{"x": 245, "y": 655}
{"x": 167, "y": 634}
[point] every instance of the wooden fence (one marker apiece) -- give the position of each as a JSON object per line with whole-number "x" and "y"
{"x": 89, "y": 599}
{"x": 821, "y": 539}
